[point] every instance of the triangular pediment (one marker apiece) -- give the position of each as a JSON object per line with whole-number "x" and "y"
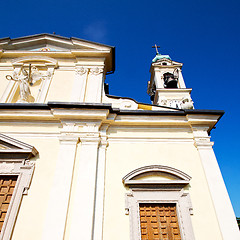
{"x": 50, "y": 42}
{"x": 10, "y": 146}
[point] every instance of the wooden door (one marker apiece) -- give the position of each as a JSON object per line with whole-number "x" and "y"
{"x": 7, "y": 185}
{"x": 159, "y": 221}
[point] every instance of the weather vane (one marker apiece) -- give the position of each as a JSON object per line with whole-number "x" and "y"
{"x": 156, "y": 47}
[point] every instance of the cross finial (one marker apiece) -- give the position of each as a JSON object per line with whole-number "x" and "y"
{"x": 156, "y": 47}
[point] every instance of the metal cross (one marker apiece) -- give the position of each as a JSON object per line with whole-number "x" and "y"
{"x": 30, "y": 74}
{"x": 156, "y": 47}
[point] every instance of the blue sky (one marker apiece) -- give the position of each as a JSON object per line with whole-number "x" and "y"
{"x": 204, "y": 35}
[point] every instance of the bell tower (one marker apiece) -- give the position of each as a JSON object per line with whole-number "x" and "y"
{"x": 167, "y": 87}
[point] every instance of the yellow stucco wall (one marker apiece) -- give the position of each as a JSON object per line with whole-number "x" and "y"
{"x": 61, "y": 86}
{"x": 32, "y": 214}
{"x": 128, "y": 149}
{"x": 122, "y": 158}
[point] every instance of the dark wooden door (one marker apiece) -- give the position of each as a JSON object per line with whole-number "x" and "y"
{"x": 7, "y": 185}
{"x": 159, "y": 221}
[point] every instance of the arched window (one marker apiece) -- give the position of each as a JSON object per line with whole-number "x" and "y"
{"x": 158, "y": 203}
{"x": 170, "y": 81}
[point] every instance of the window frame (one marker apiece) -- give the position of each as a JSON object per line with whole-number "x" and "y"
{"x": 158, "y": 191}
{"x": 14, "y": 161}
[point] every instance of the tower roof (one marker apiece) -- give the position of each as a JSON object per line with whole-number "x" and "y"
{"x": 160, "y": 56}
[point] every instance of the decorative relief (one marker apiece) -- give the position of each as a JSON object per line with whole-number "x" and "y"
{"x": 126, "y": 104}
{"x": 27, "y": 165}
{"x": 44, "y": 49}
{"x": 26, "y": 79}
{"x": 91, "y": 128}
{"x": 69, "y": 127}
{"x": 96, "y": 71}
{"x": 184, "y": 103}
{"x": 81, "y": 70}
{"x": 187, "y": 103}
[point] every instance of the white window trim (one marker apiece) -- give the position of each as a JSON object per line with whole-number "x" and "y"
{"x": 162, "y": 191}
{"x": 14, "y": 160}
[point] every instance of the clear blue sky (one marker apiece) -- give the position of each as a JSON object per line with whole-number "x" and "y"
{"x": 204, "y": 35}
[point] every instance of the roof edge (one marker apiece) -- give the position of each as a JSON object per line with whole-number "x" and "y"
{"x": 53, "y": 104}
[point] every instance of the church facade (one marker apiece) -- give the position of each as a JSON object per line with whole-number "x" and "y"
{"x": 78, "y": 163}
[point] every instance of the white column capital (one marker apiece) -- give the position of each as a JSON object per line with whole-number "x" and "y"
{"x": 200, "y": 129}
{"x": 90, "y": 139}
{"x": 68, "y": 139}
{"x": 203, "y": 143}
{"x": 201, "y": 137}
{"x": 103, "y": 134}
{"x": 104, "y": 143}
{"x": 81, "y": 70}
{"x": 96, "y": 70}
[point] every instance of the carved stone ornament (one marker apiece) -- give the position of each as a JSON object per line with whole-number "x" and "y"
{"x": 126, "y": 104}
{"x": 26, "y": 79}
{"x": 81, "y": 70}
{"x": 96, "y": 71}
{"x": 184, "y": 103}
{"x": 187, "y": 103}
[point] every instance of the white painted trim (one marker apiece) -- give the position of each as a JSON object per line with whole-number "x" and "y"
{"x": 129, "y": 178}
{"x": 48, "y": 60}
{"x": 143, "y": 139}
{"x": 33, "y": 134}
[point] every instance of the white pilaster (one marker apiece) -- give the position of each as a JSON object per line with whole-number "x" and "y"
{"x": 84, "y": 193}
{"x": 79, "y": 86}
{"x": 11, "y": 87}
{"x": 181, "y": 80}
{"x": 58, "y": 203}
{"x": 94, "y": 85}
{"x": 100, "y": 186}
{"x": 219, "y": 194}
{"x": 43, "y": 90}
{"x": 158, "y": 79}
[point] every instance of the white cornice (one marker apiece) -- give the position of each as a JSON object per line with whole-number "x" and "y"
{"x": 60, "y": 114}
